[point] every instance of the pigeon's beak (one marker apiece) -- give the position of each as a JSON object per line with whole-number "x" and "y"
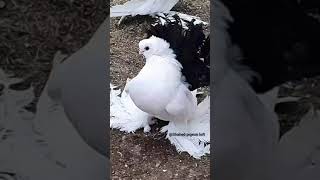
{"x": 141, "y": 51}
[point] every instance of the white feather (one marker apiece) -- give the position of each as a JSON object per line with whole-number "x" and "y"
{"x": 158, "y": 89}
{"x": 194, "y": 137}
{"x": 124, "y": 114}
{"x": 142, "y": 7}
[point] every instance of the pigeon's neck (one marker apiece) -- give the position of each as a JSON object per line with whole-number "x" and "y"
{"x": 175, "y": 63}
{"x": 169, "y": 60}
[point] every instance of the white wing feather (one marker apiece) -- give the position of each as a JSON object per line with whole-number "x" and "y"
{"x": 183, "y": 105}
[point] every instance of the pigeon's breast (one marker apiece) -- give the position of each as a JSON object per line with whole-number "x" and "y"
{"x": 150, "y": 96}
{"x": 151, "y": 90}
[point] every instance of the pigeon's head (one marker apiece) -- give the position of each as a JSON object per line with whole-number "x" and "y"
{"x": 154, "y": 46}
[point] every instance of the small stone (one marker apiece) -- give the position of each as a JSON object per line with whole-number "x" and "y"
{"x": 137, "y": 150}
{"x": 183, "y": 167}
{"x": 164, "y": 170}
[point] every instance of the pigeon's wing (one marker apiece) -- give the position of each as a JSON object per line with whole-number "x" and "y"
{"x": 182, "y": 107}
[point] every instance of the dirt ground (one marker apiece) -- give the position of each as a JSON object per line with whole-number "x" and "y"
{"x": 139, "y": 155}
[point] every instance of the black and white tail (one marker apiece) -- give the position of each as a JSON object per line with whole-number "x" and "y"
{"x": 189, "y": 43}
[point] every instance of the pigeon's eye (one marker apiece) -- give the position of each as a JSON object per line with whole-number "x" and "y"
{"x": 146, "y": 48}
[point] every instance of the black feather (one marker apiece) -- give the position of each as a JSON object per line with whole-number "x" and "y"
{"x": 277, "y": 38}
{"x": 205, "y": 51}
{"x": 189, "y": 45}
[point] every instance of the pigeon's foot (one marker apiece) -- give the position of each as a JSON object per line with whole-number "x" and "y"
{"x": 152, "y": 121}
{"x": 146, "y": 129}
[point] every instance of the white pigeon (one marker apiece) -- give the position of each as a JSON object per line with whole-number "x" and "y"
{"x": 158, "y": 89}
{"x": 142, "y": 7}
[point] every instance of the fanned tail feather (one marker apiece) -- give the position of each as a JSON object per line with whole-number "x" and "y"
{"x": 195, "y": 137}
{"x": 124, "y": 115}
